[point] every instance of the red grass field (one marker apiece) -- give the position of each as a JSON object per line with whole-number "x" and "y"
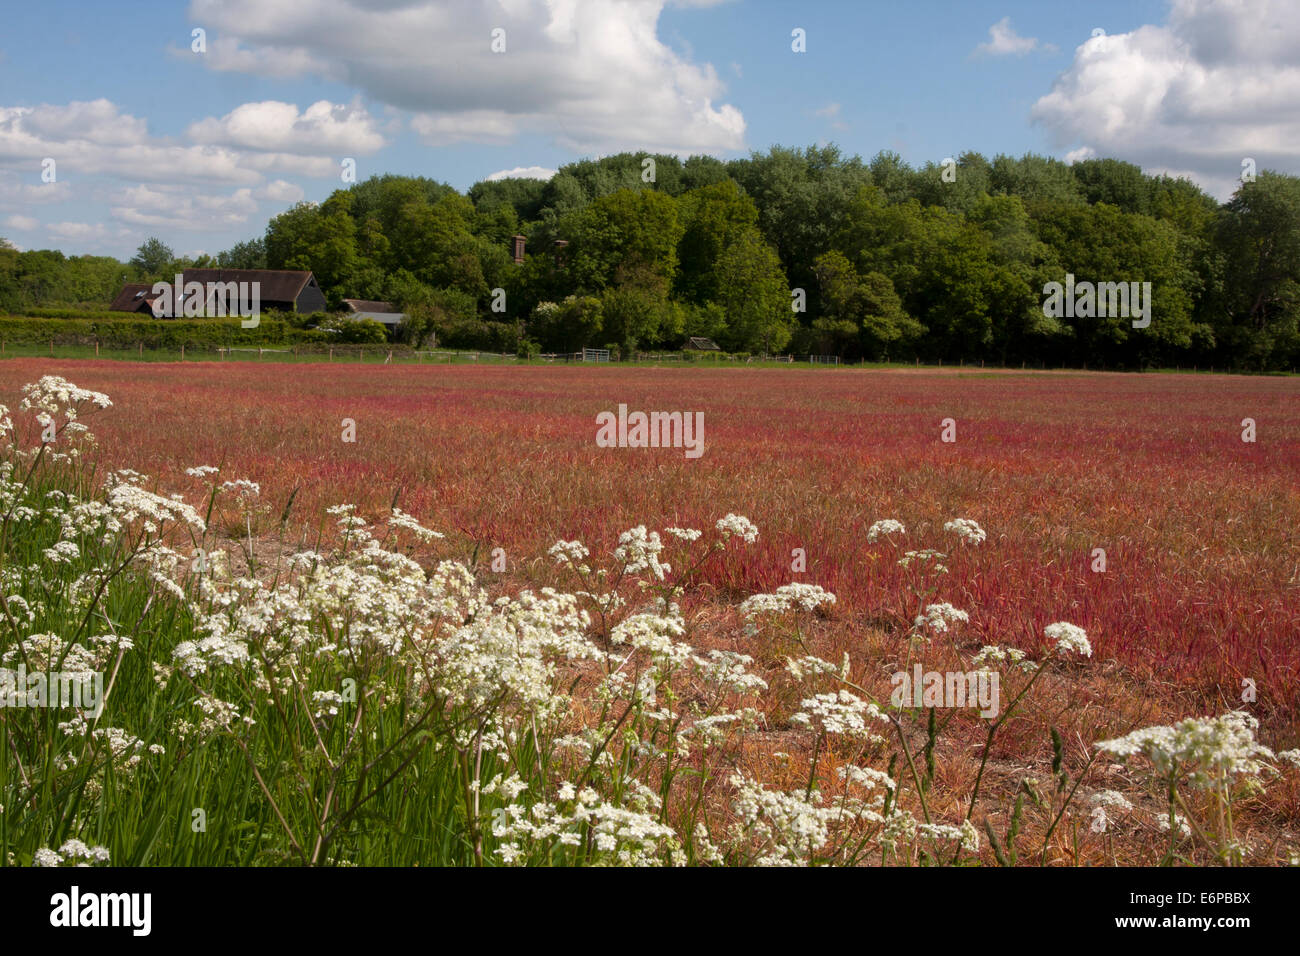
{"x": 1200, "y": 529}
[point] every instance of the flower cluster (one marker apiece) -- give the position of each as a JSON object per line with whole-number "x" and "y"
{"x": 1208, "y": 751}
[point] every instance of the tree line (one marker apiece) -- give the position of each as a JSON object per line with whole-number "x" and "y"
{"x": 803, "y": 250}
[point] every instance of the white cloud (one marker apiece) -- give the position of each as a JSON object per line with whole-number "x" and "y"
{"x": 29, "y": 194}
{"x": 280, "y": 191}
{"x": 96, "y": 121}
{"x": 522, "y": 172}
{"x": 25, "y": 223}
{"x": 478, "y": 126}
{"x": 1004, "y": 41}
{"x": 272, "y": 126}
{"x": 1218, "y": 82}
{"x": 177, "y": 207}
{"x": 238, "y": 149}
{"x": 80, "y": 231}
{"x": 591, "y": 74}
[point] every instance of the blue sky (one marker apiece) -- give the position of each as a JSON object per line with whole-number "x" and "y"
{"x": 200, "y": 149}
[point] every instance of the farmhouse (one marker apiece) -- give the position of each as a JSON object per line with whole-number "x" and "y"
{"x": 282, "y": 289}
{"x": 135, "y": 297}
{"x": 382, "y": 312}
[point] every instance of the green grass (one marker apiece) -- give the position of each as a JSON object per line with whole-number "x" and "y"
{"x": 378, "y": 355}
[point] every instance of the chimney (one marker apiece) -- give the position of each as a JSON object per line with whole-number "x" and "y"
{"x": 559, "y": 248}
{"x": 519, "y": 249}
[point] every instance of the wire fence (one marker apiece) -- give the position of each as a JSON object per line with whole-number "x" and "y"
{"x": 384, "y": 354}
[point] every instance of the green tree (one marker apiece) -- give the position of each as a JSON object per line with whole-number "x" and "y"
{"x": 633, "y": 231}
{"x": 865, "y": 306}
{"x": 1114, "y": 182}
{"x": 1258, "y": 235}
{"x": 752, "y": 288}
{"x": 714, "y": 217}
{"x": 568, "y": 326}
{"x": 320, "y": 239}
{"x": 802, "y": 196}
{"x": 152, "y": 258}
{"x": 244, "y": 255}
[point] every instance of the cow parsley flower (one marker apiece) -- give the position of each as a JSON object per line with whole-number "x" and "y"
{"x": 925, "y": 556}
{"x": 967, "y": 530}
{"x": 639, "y": 550}
{"x": 798, "y": 596}
{"x": 568, "y": 551}
{"x": 400, "y": 519}
{"x": 739, "y": 525}
{"x": 1111, "y": 798}
{"x": 1208, "y": 750}
{"x": 242, "y": 488}
{"x": 884, "y": 528}
{"x": 938, "y": 617}
{"x": 1069, "y": 638}
{"x": 840, "y": 713}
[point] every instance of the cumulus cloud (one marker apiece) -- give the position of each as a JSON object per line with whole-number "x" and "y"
{"x": 25, "y": 223}
{"x": 591, "y": 74}
{"x": 28, "y": 194}
{"x": 522, "y": 172}
{"x": 280, "y": 191}
{"x": 239, "y": 148}
{"x": 1004, "y": 41}
{"x": 77, "y": 230}
{"x": 95, "y": 137}
{"x": 1217, "y": 82}
{"x": 273, "y": 126}
{"x": 175, "y": 207}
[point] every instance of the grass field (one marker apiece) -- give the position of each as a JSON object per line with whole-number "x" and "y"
{"x": 1199, "y": 597}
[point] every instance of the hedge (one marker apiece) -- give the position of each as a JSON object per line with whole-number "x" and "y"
{"x": 153, "y": 333}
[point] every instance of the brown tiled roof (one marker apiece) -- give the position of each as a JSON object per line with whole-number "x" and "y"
{"x": 369, "y": 305}
{"x": 128, "y": 300}
{"x": 278, "y": 285}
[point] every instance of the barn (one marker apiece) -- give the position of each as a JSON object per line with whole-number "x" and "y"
{"x": 382, "y": 312}
{"x": 135, "y": 297}
{"x": 285, "y": 290}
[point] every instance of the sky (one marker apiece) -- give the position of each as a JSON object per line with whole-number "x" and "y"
{"x": 199, "y": 139}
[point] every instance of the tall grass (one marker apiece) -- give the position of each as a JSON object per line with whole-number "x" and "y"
{"x": 372, "y": 700}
